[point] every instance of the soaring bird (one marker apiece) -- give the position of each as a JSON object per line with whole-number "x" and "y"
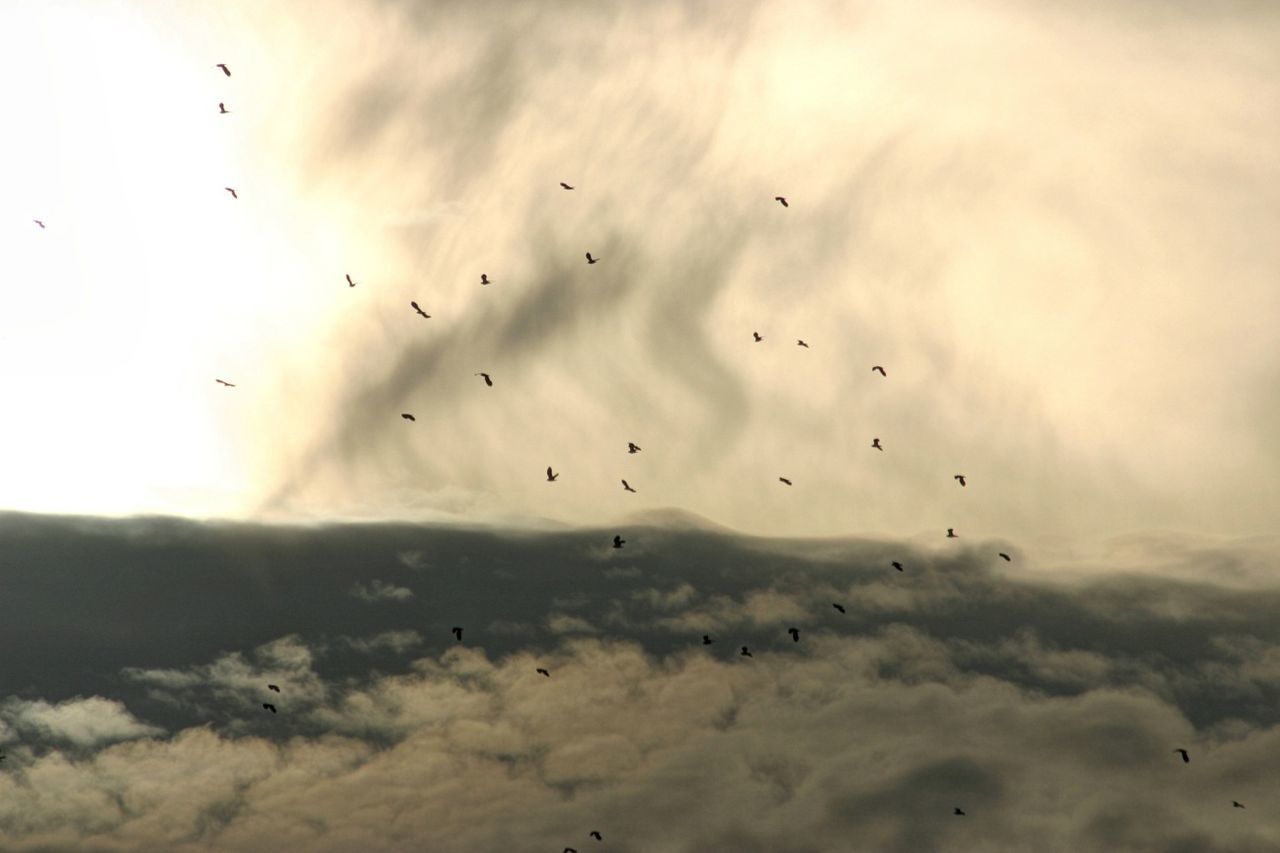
{"x": 959, "y": 478}
{"x": 800, "y": 343}
{"x": 407, "y": 416}
{"x": 590, "y": 259}
{"x": 350, "y": 283}
{"x": 225, "y": 69}
{"x": 233, "y": 192}
{"x": 269, "y": 707}
{"x": 487, "y": 380}
{"x": 222, "y": 108}
{"x": 421, "y": 313}
{"x": 875, "y": 442}
{"x": 959, "y": 811}
{"x": 839, "y": 607}
{"x": 706, "y": 640}
{"x": 551, "y": 475}
{"x": 627, "y": 486}
{"x": 618, "y": 541}
{"x": 225, "y": 382}
{"x": 632, "y": 447}
{"x": 596, "y": 835}
{"x": 795, "y": 634}
{"x": 897, "y": 565}
{"x": 746, "y": 653}
{"x": 1186, "y": 759}
{"x": 757, "y": 337}
{"x": 274, "y": 687}
{"x": 484, "y": 279}
{"x": 542, "y": 671}
{"x": 38, "y": 222}
{"x": 1236, "y": 804}
{"x": 1006, "y": 557}
{"x": 880, "y": 369}
{"x": 951, "y": 533}
{"x": 570, "y": 850}
{"x": 457, "y": 632}
{"x": 782, "y": 200}
{"x": 784, "y": 480}
{"x": 565, "y": 186}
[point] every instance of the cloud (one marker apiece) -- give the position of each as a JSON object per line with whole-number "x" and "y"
{"x": 80, "y": 722}
{"x": 381, "y": 591}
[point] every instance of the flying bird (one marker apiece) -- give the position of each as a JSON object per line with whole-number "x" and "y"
{"x": 222, "y": 108}
{"x": 633, "y": 448}
{"x": 421, "y": 313}
{"x": 618, "y": 541}
{"x": 484, "y": 279}
{"x": 706, "y": 640}
{"x": 1234, "y": 804}
{"x": 757, "y": 337}
{"x": 570, "y": 850}
{"x": 457, "y": 632}
{"x": 590, "y": 259}
{"x": 795, "y": 634}
{"x": 274, "y": 687}
{"x": 542, "y": 671}
{"x": 880, "y": 369}
{"x": 1186, "y": 759}
{"x": 225, "y": 69}
{"x": 800, "y": 343}
{"x": 959, "y": 811}
{"x": 784, "y": 480}
{"x": 596, "y": 835}
{"x": 551, "y": 475}
{"x": 269, "y": 707}
{"x": 38, "y": 222}
{"x": 225, "y": 382}
{"x": 350, "y": 283}
{"x": 839, "y": 607}
{"x": 781, "y": 200}
{"x": 627, "y": 486}
{"x": 1006, "y": 557}
{"x": 951, "y": 533}
{"x": 875, "y": 442}
{"x": 407, "y": 416}
{"x": 897, "y": 565}
{"x": 746, "y": 653}
{"x": 487, "y": 380}
{"x": 565, "y": 186}
{"x": 959, "y": 478}
{"x": 233, "y": 192}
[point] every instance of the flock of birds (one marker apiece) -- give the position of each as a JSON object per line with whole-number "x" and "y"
{"x": 632, "y": 448}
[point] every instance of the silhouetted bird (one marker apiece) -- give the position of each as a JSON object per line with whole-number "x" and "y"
{"x": 38, "y": 222}
{"x": 225, "y": 69}
{"x": 795, "y": 634}
{"x": 618, "y": 541}
{"x": 407, "y": 416}
{"x": 802, "y": 344}
{"x": 570, "y": 850}
{"x": 350, "y": 283}
{"x": 269, "y": 707}
{"x": 551, "y": 475}
{"x": 274, "y": 687}
{"x": 897, "y": 565}
{"x": 590, "y": 259}
{"x": 484, "y": 279}
{"x": 233, "y": 192}
{"x": 421, "y": 313}
{"x": 542, "y": 671}
{"x": 633, "y": 448}
{"x": 487, "y": 380}
{"x": 880, "y": 370}
{"x": 1234, "y": 804}
{"x": 1186, "y": 759}
{"x": 222, "y": 108}
{"x": 959, "y": 811}
{"x": 951, "y": 533}
{"x": 566, "y": 186}
{"x": 1006, "y": 557}
{"x": 225, "y": 382}
{"x": 596, "y": 835}
{"x": 706, "y": 640}
{"x": 746, "y": 653}
{"x": 457, "y": 632}
{"x": 627, "y": 486}
{"x": 839, "y": 607}
{"x": 756, "y": 336}
{"x": 779, "y": 198}
{"x": 960, "y": 478}
{"x": 784, "y": 480}
{"x": 875, "y": 442}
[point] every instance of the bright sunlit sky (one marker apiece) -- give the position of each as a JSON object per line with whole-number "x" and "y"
{"x": 1055, "y": 227}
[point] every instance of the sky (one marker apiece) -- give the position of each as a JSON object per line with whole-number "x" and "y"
{"x": 1053, "y": 225}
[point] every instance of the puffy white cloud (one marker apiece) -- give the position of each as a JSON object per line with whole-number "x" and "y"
{"x": 381, "y": 591}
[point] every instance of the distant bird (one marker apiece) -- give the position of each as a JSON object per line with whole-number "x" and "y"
{"x": 487, "y": 380}
{"x": 839, "y": 607}
{"x": 457, "y": 632}
{"x": 225, "y": 382}
{"x": 1006, "y": 557}
{"x": 38, "y": 222}
{"x": 959, "y": 811}
{"x": 633, "y": 448}
{"x": 269, "y": 707}
{"x": 596, "y": 835}
{"x": 407, "y": 416}
{"x": 551, "y": 475}
{"x": 1234, "y": 803}
{"x": 746, "y": 653}
{"x": 627, "y": 486}
{"x": 880, "y": 369}
{"x": 706, "y": 640}
{"x": 590, "y": 259}
{"x": 784, "y": 480}
{"x": 959, "y": 478}
{"x": 618, "y": 541}
{"x": 274, "y": 687}
{"x": 951, "y": 533}
{"x": 222, "y": 108}
{"x": 800, "y": 343}
{"x": 350, "y": 283}
{"x": 233, "y": 192}
{"x": 484, "y": 279}
{"x": 875, "y": 442}
{"x": 542, "y": 671}
{"x": 565, "y": 186}
{"x": 570, "y": 850}
{"x": 421, "y": 313}
{"x": 225, "y": 69}
{"x": 757, "y": 337}
{"x": 897, "y": 565}
{"x": 782, "y": 200}
{"x": 795, "y": 634}
{"x": 1186, "y": 759}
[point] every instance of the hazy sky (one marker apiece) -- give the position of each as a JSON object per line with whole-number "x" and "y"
{"x": 1055, "y": 226}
